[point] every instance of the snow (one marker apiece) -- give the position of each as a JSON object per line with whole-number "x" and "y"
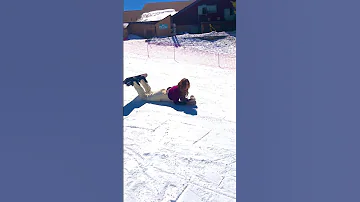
{"x": 214, "y": 42}
{"x": 179, "y": 153}
{"x": 156, "y": 15}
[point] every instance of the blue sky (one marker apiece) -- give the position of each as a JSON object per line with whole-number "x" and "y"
{"x": 138, "y": 4}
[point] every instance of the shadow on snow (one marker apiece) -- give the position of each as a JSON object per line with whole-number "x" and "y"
{"x": 137, "y": 103}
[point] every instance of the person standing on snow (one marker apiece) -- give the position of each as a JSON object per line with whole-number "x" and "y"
{"x": 173, "y": 29}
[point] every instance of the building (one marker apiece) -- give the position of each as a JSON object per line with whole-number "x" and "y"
{"x": 205, "y": 16}
{"x": 150, "y": 29}
{"x": 176, "y": 5}
{"x": 126, "y": 33}
{"x": 192, "y": 17}
{"x": 134, "y": 15}
{"x": 153, "y": 28}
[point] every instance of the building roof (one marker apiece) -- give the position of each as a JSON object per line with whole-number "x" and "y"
{"x": 187, "y": 7}
{"x": 177, "y": 5}
{"x": 145, "y": 22}
{"x": 134, "y": 15}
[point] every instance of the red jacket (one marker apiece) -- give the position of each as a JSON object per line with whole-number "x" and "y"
{"x": 174, "y": 94}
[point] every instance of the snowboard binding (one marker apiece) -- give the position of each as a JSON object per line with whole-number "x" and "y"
{"x": 130, "y": 80}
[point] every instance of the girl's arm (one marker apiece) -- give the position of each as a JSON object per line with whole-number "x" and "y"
{"x": 183, "y": 101}
{"x": 180, "y": 103}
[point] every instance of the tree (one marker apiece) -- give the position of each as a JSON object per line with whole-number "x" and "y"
{"x": 234, "y": 5}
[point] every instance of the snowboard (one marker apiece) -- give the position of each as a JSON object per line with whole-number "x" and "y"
{"x": 129, "y": 80}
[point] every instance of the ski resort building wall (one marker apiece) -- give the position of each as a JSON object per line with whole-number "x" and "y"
{"x": 206, "y": 15}
{"x": 151, "y": 29}
{"x": 132, "y": 16}
{"x": 142, "y": 29}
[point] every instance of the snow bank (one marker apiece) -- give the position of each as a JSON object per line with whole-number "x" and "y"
{"x": 213, "y": 42}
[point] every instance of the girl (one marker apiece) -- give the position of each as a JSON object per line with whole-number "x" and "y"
{"x": 177, "y": 94}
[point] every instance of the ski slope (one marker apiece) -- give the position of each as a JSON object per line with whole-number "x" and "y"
{"x": 179, "y": 153}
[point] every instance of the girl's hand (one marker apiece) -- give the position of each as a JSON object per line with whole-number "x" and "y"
{"x": 192, "y": 100}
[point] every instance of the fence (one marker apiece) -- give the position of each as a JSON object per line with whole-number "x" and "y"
{"x": 182, "y": 54}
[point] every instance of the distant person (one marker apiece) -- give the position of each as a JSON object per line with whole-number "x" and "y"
{"x": 177, "y": 94}
{"x": 174, "y": 29}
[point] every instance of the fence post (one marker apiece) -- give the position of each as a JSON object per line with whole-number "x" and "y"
{"x": 219, "y": 59}
{"x": 147, "y": 48}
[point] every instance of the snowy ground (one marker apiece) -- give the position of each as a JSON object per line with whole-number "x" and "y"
{"x": 179, "y": 153}
{"x": 213, "y": 42}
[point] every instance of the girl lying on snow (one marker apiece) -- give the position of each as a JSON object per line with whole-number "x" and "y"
{"x": 177, "y": 94}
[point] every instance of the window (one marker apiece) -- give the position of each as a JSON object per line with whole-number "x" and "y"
{"x": 205, "y": 9}
{"x": 202, "y": 10}
{"x": 228, "y": 14}
{"x": 211, "y": 9}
